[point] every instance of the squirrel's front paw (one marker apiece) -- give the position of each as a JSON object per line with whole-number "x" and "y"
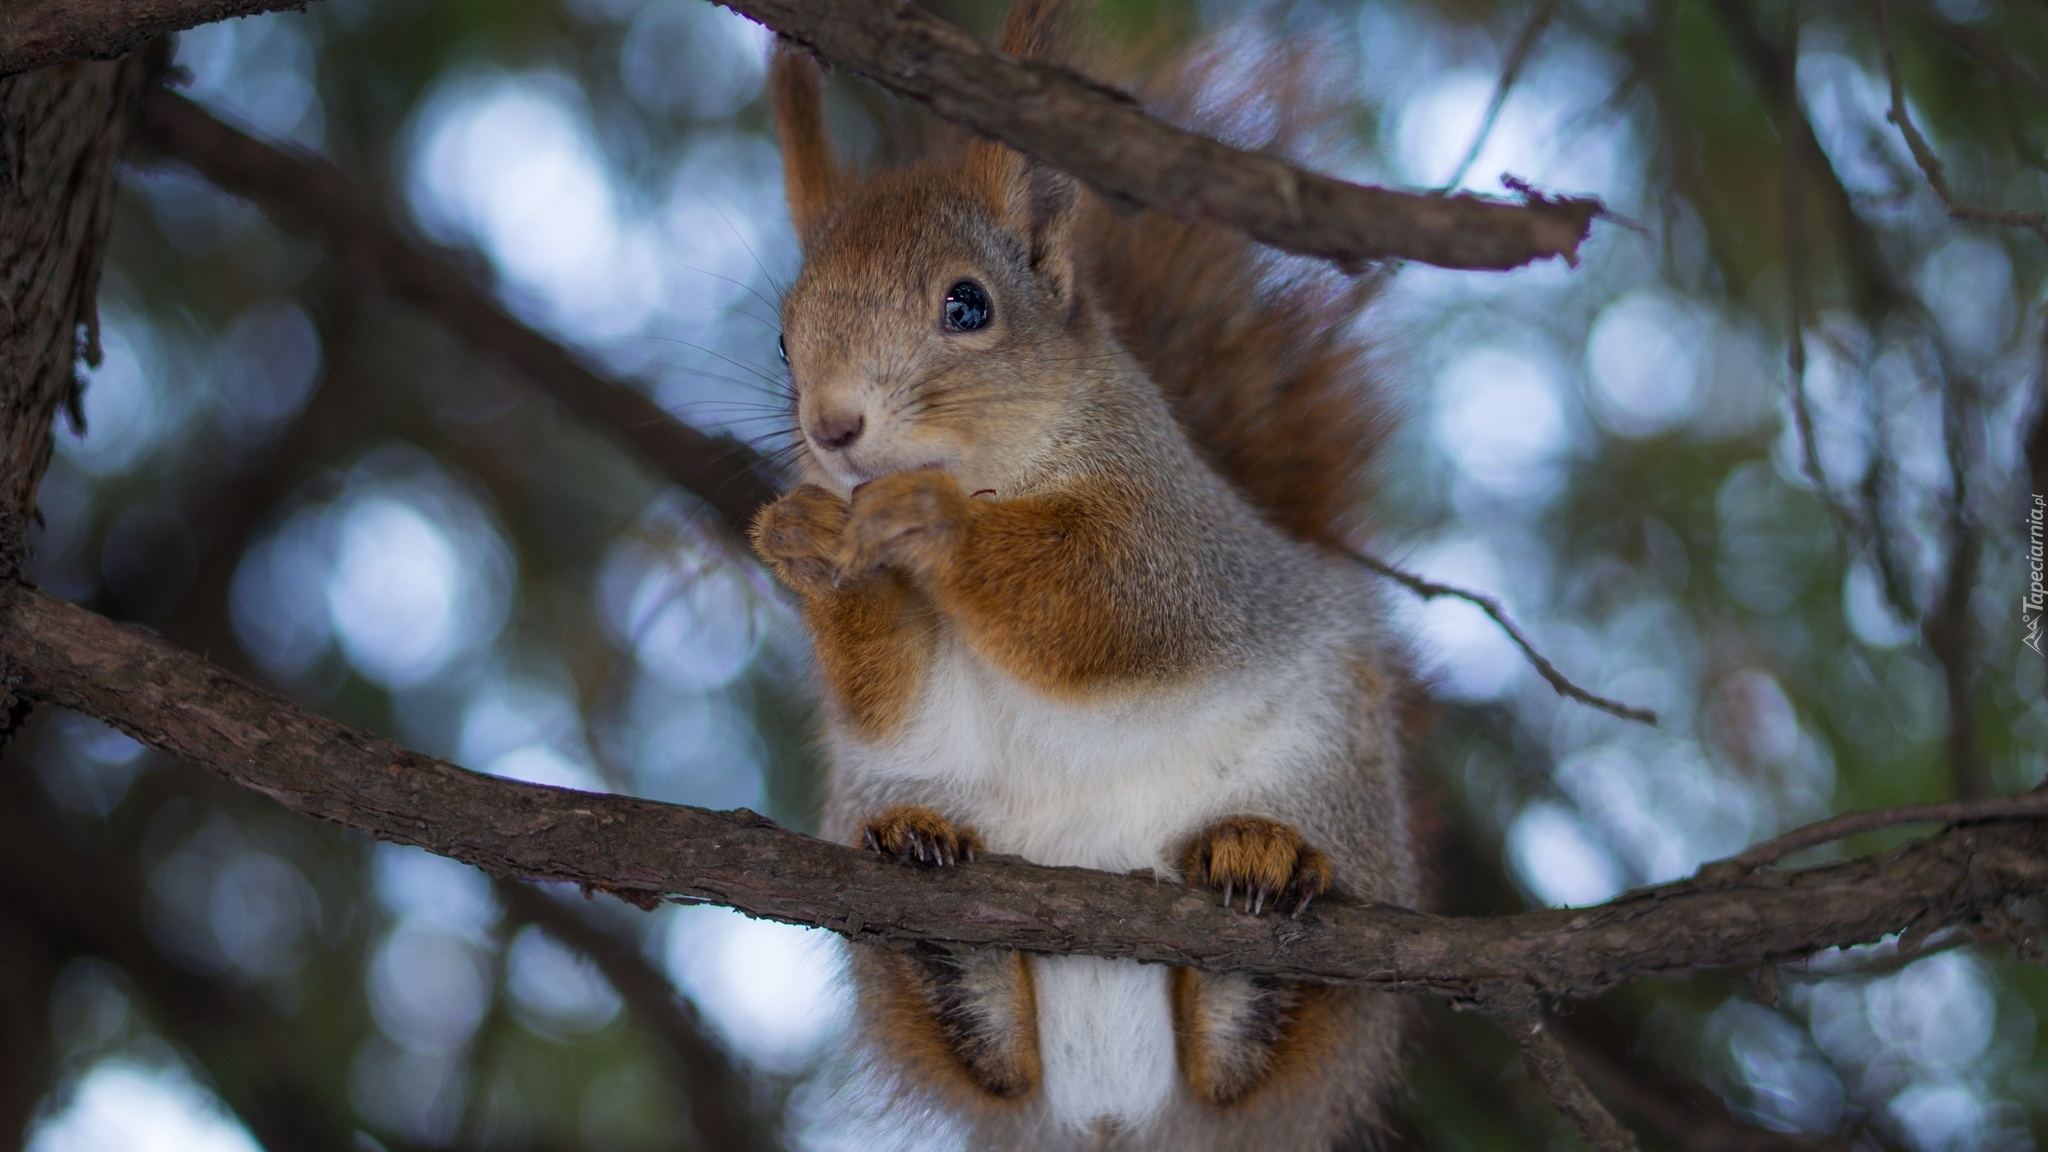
{"x": 917, "y": 835}
{"x": 908, "y": 520}
{"x": 798, "y": 536}
{"x": 1264, "y": 859}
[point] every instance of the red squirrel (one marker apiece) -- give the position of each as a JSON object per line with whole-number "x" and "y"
{"x": 1075, "y": 485}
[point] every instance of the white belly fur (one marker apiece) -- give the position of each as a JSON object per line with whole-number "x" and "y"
{"x": 1112, "y": 786}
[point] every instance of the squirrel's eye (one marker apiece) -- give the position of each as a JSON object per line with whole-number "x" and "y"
{"x": 966, "y": 307}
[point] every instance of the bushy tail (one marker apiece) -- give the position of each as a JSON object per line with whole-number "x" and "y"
{"x": 1258, "y": 354}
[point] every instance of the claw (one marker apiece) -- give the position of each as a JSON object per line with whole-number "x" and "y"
{"x": 1261, "y": 905}
{"x": 874, "y": 845}
{"x": 1302, "y": 906}
{"x": 1226, "y": 893}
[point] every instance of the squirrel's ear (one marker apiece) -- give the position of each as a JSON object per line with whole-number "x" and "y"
{"x": 1035, "y": 202}
{"x": 811, "y": 178}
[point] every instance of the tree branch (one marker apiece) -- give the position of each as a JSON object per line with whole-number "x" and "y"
{"x": 1431, "y": 590}
{"x": 312, "y": 197}
{"x": 1923, "y": 153}
{"x": 1072, "y": 123}
{"x": 1523, "y": 47}
{"x": 37, "y": 33}
{"x": 61, "y": 137}
{"x": 1551, "y": 1068}
{"x": 2025, "y": 805}
{"x": 180, "y": 704}
{"x": 1102, "y": 137}
{"x": 717, "y": 1096}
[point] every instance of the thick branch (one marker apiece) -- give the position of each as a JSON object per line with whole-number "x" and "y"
{"x": 36, "y": 33}
{"x": 1102, "y": 137}
{"x": 61, "y": 136}
{"x": 182, "y": 705}
{"x": 312, "y": 197}
{"x": 1055, "y": 115}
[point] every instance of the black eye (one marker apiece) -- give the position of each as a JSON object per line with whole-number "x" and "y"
{"x": 966, "y": 307}
{"x": 781, "y": 349}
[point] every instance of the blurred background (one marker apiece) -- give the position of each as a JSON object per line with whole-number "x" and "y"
{"x": 1760, "y": 462}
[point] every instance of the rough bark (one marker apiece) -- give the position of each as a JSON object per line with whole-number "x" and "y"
{"x": 62, "y": 131}
{"x": 180, "y": 704}
{"x": 36, "y": 33}
{"x": 1063, "y": 119}
{"x": 1101, "y": 136}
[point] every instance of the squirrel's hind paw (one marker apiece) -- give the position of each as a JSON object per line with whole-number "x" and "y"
{"x": 1264, "y": 860}
{"x": 917, "y": 835}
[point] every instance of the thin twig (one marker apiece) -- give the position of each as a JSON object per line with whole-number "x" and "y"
{"x": 1923, "y": 154}
{"x": 1518, "y": 1015}
{"x": 1949, "y": 628}
{"x": 1988, "y": 51}
{"x": 717, "y": 1094}
{"x": 1511, "y": 71}
{"x": 2026, "y": 805}
{"x": 1431, "y": 590}
{"x": 1798, "y": 291}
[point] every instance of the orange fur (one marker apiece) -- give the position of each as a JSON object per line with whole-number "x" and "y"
{"x": 1260, "y": 859}
{"x": 915, "y": 834}
{"x": 810, "y": 172}
{"x": 1302, "y": 1024}
{"x": 905, "y": 1014}
{"x": 1077, "y": 587}
{"x": 873, "y": 635}
{"x": 1031, "y": 582}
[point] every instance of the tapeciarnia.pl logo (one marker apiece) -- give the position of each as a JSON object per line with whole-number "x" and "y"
{"x": 2037, "y": 597}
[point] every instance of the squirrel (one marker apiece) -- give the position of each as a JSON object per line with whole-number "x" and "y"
{"x": 1075, "y": 487}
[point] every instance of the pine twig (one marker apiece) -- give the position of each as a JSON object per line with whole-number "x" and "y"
{"x": 1923, "y": 154}
{"x": 1518, "y": 55}
{"x": 1431, "y": 590}
{"x": 2026, "y": 805}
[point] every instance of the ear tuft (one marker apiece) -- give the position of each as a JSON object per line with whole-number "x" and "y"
{"x": 812, "y": 179}
{"x": 1035, "y": 202}
{"x": 1039, "y": 30}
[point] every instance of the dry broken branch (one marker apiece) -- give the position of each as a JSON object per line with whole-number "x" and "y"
{"x": 182, "y": 705}
{"x": 1055, "y": 115}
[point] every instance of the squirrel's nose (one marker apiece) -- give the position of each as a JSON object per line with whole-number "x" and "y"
{"x": 835, "y": 432}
